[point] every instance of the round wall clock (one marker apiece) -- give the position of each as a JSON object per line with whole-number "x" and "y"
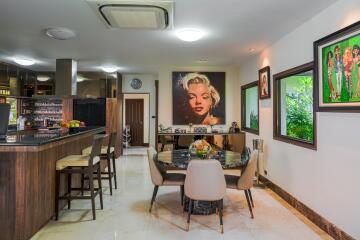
{"x": 136, "y": 83}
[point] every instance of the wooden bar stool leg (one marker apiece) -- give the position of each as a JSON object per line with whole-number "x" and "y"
{"x": 249, "y": 203}
{"x": 100, "y": 186}
{"x": 57, "y": 193}
{"x": 69, "y": 178}
{"x": 114, "y": 168}
{"x": 91, "y": 184}
{"x": 109, "y": 172}
{"x": 82, "y": 182}
{"x": 251, "y": 199}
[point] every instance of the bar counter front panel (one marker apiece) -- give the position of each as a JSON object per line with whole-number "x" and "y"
{"x": 27, "y": 178}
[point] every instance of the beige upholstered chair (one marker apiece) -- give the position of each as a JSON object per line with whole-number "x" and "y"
{"x": 245, "y": 181}
{"x": 161, "y": 178}
{"x": 205, "y": 181}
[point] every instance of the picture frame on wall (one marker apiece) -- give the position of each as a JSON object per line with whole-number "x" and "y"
{"x": 264, "y": 83}
{"x": 337, "y": 71}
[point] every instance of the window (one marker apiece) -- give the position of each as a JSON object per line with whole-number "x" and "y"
{"x": 250, "y": 108}
{"x": 294, "y": 118}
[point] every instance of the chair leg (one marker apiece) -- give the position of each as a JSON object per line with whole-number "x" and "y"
{"x": 189, "y": 213}
{"x": 249, "y": 204}
{"x": 91, "y": 184}
{"x": 182, "y": 194}
{"x": 82, "y": 182}
{"x": 251, "y": 199}
{"x": 220, "y": 207}
{"x": 57, "y": 193}
{"x": 162, "y": 147}
{"x": 114, "y": 169}
{"x": 109, "y": 173}
{"x": 156, "y": 188}
{"x": 100, "y": 186}
{"x": 69, "y": 178}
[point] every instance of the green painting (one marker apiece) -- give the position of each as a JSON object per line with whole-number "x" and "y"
{"x": 341, "y": 71}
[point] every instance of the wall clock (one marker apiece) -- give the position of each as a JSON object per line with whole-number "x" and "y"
{"x": 136, "y": 83}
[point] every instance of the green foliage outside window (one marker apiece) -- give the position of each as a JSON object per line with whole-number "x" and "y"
{"x": 254, "y": 121}
{"x": 299, "y": 113}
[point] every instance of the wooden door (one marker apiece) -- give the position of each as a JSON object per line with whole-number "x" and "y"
{"x": 135, "y": 118}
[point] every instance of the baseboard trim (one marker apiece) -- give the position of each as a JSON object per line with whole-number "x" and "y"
{"x": 314, "y": 217}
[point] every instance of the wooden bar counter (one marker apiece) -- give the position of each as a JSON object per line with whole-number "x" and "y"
{"x": 27, "y": 177}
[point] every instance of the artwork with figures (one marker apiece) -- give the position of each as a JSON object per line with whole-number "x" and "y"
{"x": 264, "y": 83}
{"x": 198, "y": 98}
{"x": 338, "y": 69}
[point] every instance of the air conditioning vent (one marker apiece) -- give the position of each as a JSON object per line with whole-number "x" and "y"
{"x": 134, "y": 15}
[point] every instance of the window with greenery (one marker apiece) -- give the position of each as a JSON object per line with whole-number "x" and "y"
{"x": 294, "y": 118}
{"x": 250, "y": 108}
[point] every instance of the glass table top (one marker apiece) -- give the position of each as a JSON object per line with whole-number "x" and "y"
{"x": 179, "y": 159}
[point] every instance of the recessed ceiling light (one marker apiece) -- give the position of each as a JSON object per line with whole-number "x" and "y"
{"x": 190, "y": 34}
{"x": 42, "y": 78}
{"x": 24, "y": 61}
{"x": 60, "y": 33}
{"x": 109, "y": 69}
{"x": 251, "y": 49}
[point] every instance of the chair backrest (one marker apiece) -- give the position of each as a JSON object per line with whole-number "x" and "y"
{"x": 96, "y": 149}
{"x": 247, "y": 176}
{"x": 156, "y": 176}
{"x": 205, "y": 180}
{"x": 112, "y": 142}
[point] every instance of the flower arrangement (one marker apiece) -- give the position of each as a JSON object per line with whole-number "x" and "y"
{"x": 200, "y": 147}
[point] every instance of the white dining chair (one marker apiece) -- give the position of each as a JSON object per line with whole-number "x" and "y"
{"x": 161, "y": 178}
{"x": 205, "y": 181}
{"x": 245, "y": 181}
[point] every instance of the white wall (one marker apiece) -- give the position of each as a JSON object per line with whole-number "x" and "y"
{"x": 232, "y": 90}
{"x": 148, "y": 86}
{"x": 326, "y": 180}
{"x": 146, "y": 120}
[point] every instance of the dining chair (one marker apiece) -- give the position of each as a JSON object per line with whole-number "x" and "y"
{"x": 245, "y": 181}
{"x": 205, "y": 181}
{"x": 159, "y": 177}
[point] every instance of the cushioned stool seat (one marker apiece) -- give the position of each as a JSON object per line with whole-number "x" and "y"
{"x": 75, "y": 161}
{"x": 87, "y": 150}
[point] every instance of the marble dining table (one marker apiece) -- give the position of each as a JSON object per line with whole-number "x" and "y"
{"x": 179, "y": 160}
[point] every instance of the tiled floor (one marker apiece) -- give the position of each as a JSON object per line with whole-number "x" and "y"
{"x": 126, "y": 216}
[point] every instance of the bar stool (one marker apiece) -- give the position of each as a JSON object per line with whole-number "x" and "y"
{"x": 80, "y": 164}
{"x": 107, "y": 154}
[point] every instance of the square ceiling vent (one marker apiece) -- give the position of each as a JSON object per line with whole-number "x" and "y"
{"x": 134, "y": 14}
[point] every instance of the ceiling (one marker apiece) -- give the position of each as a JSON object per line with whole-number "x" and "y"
{"x": 232, "y": 27}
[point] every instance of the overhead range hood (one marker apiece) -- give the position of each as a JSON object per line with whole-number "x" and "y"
{"x": 151, "y": 15}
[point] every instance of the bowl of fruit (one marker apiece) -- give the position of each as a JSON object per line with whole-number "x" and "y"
{"x": 73, "y": 125}
{"x": 200, "y": 148}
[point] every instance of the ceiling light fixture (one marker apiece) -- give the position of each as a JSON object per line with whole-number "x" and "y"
{"x": 251, "y": 49}
{"x": 60, "y": 33}
{"x": 190, "y": 34}
{"x": 24, "y": 61}
{"x": 202, "y": 61}
{"x": 43, "y": 78}
{"x": 109, "y": 69}
{"x": 80, "y": 78}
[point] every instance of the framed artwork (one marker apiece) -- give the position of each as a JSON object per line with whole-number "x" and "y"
{"x": 198, "y": 98}
{"x": 250, "y": 108}
{"x": 264, "y": 83}
{"x": 337, "y": 70}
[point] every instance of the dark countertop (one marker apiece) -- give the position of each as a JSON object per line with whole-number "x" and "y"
{"x": 41, "y": 137}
